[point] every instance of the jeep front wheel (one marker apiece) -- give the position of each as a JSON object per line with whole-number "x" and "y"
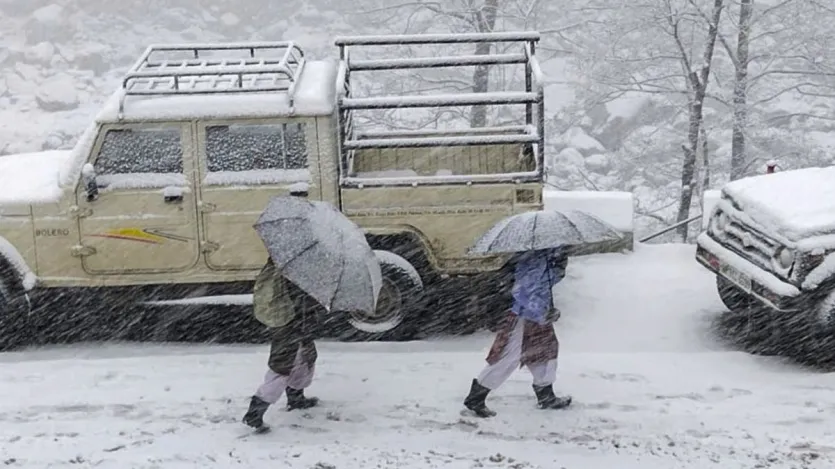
{"x": 814, "y": 331}
{"x": 733, "y": 297}
{"x": 399, "y": 305}
{"x": 748, "y": 323}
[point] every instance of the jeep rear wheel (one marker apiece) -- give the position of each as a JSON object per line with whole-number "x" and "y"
{"x": 399, "y": 306}
{"x": 13, "y": 309}
{"x": 464, "y": 305}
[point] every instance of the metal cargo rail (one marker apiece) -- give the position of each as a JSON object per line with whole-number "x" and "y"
{"x": 163, "y": 71}
{"x": 531, "y": 134}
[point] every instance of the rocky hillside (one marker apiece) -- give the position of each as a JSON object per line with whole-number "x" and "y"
{"x": 60, "y": 60}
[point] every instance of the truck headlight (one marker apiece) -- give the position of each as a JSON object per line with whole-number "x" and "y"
{"x": 720, "y": 222}
{"x": 784, "y": 258}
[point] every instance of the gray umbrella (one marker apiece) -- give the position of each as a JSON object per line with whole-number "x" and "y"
{"x": 323, "y": 252}
{"x": 544, "y": 229}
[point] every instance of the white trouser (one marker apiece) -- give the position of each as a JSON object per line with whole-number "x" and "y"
{"x": 274, "y": 384}
{"x": 492, "y": 376}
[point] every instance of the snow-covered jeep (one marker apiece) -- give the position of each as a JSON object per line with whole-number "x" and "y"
{"x": 771, "y": 242}
{"x": 157, "y": 200}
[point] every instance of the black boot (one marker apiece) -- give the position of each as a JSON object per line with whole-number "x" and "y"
{"x": 296, "y": 399}
{"x": 547, "y": 400}
{"x": 475, "y": 400}
{"x": 254, "y": 417}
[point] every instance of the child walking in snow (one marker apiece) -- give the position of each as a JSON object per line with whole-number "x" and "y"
{"x": 292, "y": 316}
{"x": 526, "y": 337}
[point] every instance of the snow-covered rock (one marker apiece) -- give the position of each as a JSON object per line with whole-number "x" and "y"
{"x": 92, "y": 57}
{"x": 42, "y": 52}
{"x": 50, "y": 15}
{"x": 49, "y": 23}
{"x": 570, "y": 157}
{"x": 598, "y": 162}
{"x": 19, "y": 87}
{"x": 58, "y": 94}
{"x": 627, "y": 107}
{"x": 56, "y": 141}
{"x": 28, "y": 72}
{"x": 577, "y": 138}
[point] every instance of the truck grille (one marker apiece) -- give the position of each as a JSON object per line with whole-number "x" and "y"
{"x": 751, "y": 245}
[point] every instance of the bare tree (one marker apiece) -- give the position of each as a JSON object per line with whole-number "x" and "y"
{"x": 664, "y": 50}
{"x": 740, "y": 93}
{"x": 774, "y": 58}
{"x": 458, "y": 16}
{"x": 485, "y": 22}
{"x": 554, "y": 19}
{"x": 697, "y": 81}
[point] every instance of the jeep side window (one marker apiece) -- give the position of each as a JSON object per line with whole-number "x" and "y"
{"x": 256, "y": 147}
{"x": 128, "y": 155}
{"x": 126, "y": 151}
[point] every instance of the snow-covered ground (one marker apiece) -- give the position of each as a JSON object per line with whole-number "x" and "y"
{"x": 652, "y": 390}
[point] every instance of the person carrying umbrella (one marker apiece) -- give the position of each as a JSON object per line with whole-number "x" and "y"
{"x": 526, "y": 337}
{"x": 319, "y": 262}
{"x": 538, "y": 241}
{"x": 293, "y": 315}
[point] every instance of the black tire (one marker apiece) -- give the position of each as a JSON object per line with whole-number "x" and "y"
{"x": 751, "y": 326}
{"x": 14, "y": 308}
{"x": 760, "y": 330}
{"x": 469, "y": 304}
{"x": 813, "y": 331}
{"x": 201, "y": 323}
{"x": 399, "y": 306}
{"x": 734, "y": 298}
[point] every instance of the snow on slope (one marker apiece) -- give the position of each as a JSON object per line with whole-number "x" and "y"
{"x": 651, "y": 392}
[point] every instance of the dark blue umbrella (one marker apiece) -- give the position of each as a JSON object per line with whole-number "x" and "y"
{"x": 544, "y": 229}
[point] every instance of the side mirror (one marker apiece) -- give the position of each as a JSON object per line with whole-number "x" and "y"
{"x": 88, "y": 176}
{"x": 299, "y": 189}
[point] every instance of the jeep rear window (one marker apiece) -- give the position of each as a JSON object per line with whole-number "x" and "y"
{"x": 141, "y": 150}
{"x": 253, "y": 147}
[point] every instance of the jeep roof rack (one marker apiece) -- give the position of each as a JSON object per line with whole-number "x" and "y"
{"x": 162, "y": 69}
{"x": 532, "y": 132}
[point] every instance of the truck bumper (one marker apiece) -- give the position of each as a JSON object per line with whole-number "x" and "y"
{"x": 756, "y": 282}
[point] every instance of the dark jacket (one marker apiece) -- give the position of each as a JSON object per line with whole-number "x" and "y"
{"x": 292, "y": 315}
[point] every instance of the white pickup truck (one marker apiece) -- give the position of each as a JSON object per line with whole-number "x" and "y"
{"x": 771, "y": 242}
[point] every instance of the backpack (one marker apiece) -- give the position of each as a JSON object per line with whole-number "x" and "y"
{"x": 271, "y": 300}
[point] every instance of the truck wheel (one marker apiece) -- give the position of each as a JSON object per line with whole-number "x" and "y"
{"x": 465, "y": 305}
{"x": 732, "y": 296}
{"x": 814, "y": 332}
{"x": 13, "y": 314}
{"x": 751, "y": 326}
{"x": 399, "y": 305}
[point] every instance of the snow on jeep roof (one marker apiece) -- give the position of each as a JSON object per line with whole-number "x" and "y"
{"x": 796, "y": 204}
{"x": 227, "y": 80}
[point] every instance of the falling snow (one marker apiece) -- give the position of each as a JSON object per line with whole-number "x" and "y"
{"x": 653, "y": 389}
{"x": 662, "y": 373}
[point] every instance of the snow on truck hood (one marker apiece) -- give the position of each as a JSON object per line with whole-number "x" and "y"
{"x": 795, "y": 204}
{"x": 29, "y": 178}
